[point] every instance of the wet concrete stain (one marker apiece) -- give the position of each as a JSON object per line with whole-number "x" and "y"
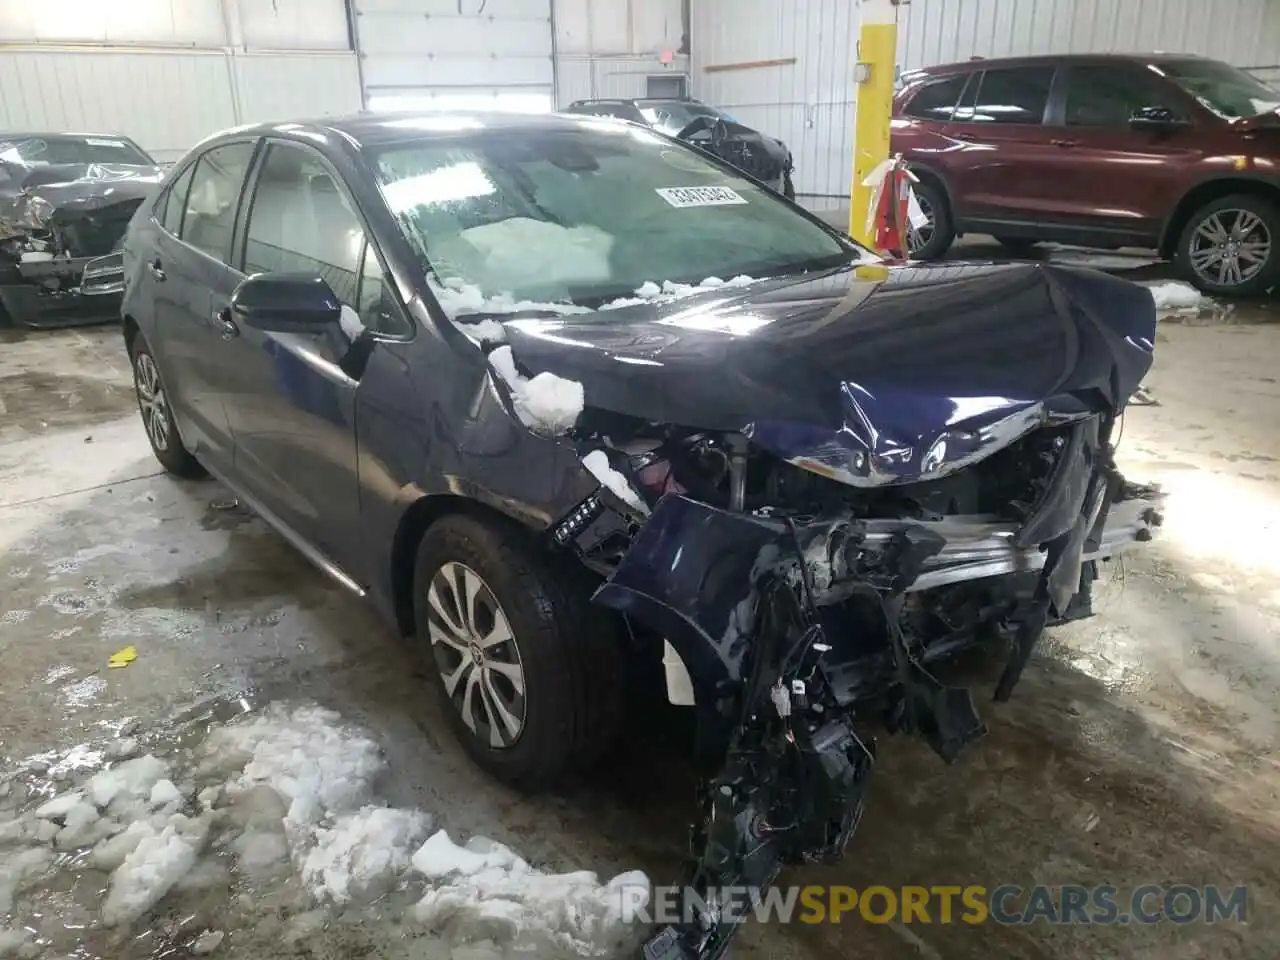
{"x": 239, "y": 580}
{"x": 37, "y": 401}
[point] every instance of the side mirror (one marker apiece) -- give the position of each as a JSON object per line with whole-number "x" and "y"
{"x": 1155, "y": 118}
{"x": 286, "y": 303}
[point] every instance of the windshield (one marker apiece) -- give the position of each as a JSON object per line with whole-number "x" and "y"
{"x": 1227, "y": 91}
{"x": 40, "y": 151}
{"x": 672, "y": 116}
{"x": 587, "y": 216}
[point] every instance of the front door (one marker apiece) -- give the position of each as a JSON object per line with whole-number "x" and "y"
{"x": 290, "y": 400}
{"x": 998, "y": 168}
{"x": 1113, "y": 178}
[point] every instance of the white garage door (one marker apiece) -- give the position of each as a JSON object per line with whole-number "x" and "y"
{"x": 461, "y": 54}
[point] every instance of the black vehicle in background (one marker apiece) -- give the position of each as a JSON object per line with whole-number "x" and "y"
{"x": 765, "y": 158}
{"x": 65, "y": 201}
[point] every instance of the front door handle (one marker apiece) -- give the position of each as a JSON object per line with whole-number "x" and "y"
{"x": 963, "y": 136}
{"x": 156, "y": 270}
{"x": 228, "y": 329}
{"x": 1065, "y": 143}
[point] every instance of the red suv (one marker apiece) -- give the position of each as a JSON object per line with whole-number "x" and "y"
{"x": 1177, "y": 153}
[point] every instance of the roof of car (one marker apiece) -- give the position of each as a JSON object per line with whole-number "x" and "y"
{"x": 375, "y": 128}
{"x": 979, "y": 63}
{"x": 73, "y": 134}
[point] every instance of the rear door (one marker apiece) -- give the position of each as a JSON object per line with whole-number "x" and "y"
{"x": 188, "y": 265}
{"x": 1116, "y": 180}
{"x": 998, "y": 151}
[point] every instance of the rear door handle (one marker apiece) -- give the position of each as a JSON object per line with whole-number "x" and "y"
{"x": 228, "y": 329}
{"x": 1065, "y": 143}
{"x": 156, "y": 270}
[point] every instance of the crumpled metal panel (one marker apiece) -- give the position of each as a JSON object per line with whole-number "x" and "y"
{"x": 870, "y": 382}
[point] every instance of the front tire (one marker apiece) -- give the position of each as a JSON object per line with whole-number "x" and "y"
{"x": 157, "y": 414}
{"x": 931, "y": 242}
{"x": 1229, "y": 247}
{"x": 531, "y": 678}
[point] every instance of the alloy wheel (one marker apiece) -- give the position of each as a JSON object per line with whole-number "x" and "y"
{"x": 919, "y": 237}
{"x": 477, "y": 654}
{"x": 1229, "y": 247}
{"x": 152, "y": 402}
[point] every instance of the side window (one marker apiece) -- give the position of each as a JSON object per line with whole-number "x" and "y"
{"x": 1106, "y": 96}
{"x": 174, "y": 202}
{"x": 936, "y": 100}
{"x": 377, "y": 305}
{"x": 300, "y": 222}
{"x": 210, "y": 219}
{"x": 1014, "y": 95}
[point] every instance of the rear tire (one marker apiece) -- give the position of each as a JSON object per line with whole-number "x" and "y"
{"x": 1017, "y": 246}
{"x": 1231, "y": 246}
{"x": 932, "y": 243}
{"x": 547, "y": 701}
{"x": 157, "y": 414}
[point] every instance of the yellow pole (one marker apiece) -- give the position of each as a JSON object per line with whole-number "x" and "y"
{"x": 877, "y": 59}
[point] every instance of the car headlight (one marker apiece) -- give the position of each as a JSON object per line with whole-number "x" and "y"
{"x": 34, "y": 212}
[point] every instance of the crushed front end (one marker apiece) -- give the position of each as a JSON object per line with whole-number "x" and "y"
{"x": 807, "y": 621}
{"x": 60, "y": 233}
{"x": 816, "y": 495}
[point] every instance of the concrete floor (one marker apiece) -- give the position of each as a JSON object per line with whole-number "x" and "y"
{"x": 1142, "y": 745}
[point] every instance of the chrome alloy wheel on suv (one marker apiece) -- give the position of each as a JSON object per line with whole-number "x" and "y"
{"x": 1228, "y": 246}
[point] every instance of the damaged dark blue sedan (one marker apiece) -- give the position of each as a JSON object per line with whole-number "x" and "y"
{"x": 557, "y": 391}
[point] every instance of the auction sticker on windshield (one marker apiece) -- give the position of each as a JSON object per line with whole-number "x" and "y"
{"x": 700, "y": 196}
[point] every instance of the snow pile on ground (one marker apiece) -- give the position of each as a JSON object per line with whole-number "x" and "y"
{"x": 288, "y": 796}
{"x": 1174, "y": 297}
{"x": 485, "y": 890}
{"x": 307, "y": 756}
{"x": 363, "y": 853}
{"x": 159, "y": 859}
{"x": 597, "y": 461}
{"x": 547, "y": 403}
{"x": 650, "y": 292}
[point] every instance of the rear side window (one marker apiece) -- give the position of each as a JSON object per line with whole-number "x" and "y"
{"x": 936, "y": 100}
{"x": 1107, "y": 96}
{"x": 210, "y": 218}
{"x": 1013, "y": 95}
{"x": 174, "y": 202}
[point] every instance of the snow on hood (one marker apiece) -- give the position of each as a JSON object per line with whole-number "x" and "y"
{"x": 547, "y": 403}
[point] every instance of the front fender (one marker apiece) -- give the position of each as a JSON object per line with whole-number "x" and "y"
{"x": 690, "y": 575}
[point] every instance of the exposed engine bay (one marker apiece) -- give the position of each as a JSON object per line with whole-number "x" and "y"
{"x": 808, "y": 612}
{"x": 61, "y": 226}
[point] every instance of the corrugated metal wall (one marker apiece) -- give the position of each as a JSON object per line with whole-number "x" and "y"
{"x": 1243, "y": 32}
{"x": 609, "y": 48}
{"x": 810, "y": 104}
{"x": 169, "y": 72}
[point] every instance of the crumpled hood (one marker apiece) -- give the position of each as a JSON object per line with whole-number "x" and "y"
{"x": 868, "y": 375}
{"x": 72, "y": 190}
